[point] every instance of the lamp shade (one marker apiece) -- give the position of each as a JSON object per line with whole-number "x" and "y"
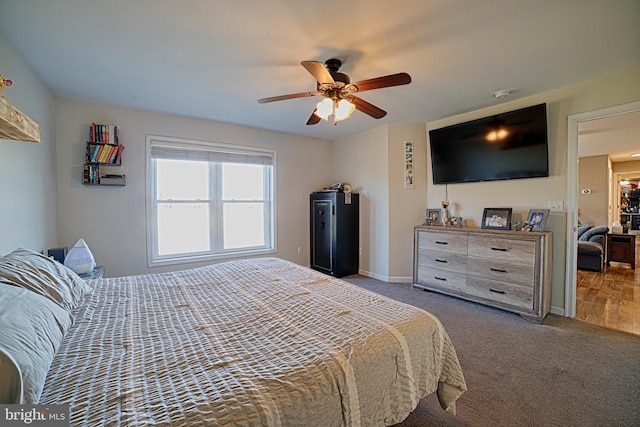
{"x": 80, "y": 259}
{"x": 324, "y": 108}
{"x": 343, "y": 110}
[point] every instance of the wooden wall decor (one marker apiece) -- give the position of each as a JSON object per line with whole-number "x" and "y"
{"x": 14, "y": 124}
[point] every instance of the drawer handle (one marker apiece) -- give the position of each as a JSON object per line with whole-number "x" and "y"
{"x": 439, "y": 242}
{"x": 497, "y": 291}
{"x": 497, "y": 270}
{"x": 440, "y": 278}
{"x": 499, "y": 249}
{"x": 441, "y": 260}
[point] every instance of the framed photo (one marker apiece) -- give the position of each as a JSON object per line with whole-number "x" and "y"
{"x": 536, "y": 220}
{"x": 408, "y": 164}
{"x": 497, "y": 218}
{"x": 433, "y": 217}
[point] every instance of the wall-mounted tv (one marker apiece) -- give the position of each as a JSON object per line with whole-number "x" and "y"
{"x": 505, "y": 146}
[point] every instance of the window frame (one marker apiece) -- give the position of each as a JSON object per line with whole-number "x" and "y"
{"x": 156, "y": 260}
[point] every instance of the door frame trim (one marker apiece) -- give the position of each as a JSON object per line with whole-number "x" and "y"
{"x": 572, "y": 194}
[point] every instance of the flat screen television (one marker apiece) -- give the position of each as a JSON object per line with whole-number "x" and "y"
{"x": 505, "y": 146}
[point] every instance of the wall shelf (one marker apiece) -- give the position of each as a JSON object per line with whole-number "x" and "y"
{"x": 103, "y": 150}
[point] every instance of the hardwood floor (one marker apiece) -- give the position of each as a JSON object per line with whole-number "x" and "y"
{"x": 610, "y": 298}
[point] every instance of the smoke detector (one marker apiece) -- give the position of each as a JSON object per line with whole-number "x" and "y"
{"x": 501, "y": 94}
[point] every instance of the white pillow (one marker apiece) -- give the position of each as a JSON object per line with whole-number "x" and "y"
{"x": 31, "y": 329}
{"x": 32, "y": 270}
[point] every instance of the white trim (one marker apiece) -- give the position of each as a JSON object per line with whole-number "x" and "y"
{"x": 557, "y": 310}
{"x": 572, "y": 194}
{"x": 384, "y": 278}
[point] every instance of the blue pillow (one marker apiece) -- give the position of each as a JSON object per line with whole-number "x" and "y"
{"x": 586, "y": 236}
{"x": 582, "y": 229}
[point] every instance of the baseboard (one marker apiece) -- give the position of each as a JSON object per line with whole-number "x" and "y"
{"x": 557, "y": 310}
{"x": 384, "y": 278}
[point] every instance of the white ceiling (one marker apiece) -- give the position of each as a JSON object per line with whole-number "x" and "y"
{"x": 213, "y": 59}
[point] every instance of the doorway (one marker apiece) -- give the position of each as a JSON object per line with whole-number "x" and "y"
{"x": 572, "y": 192}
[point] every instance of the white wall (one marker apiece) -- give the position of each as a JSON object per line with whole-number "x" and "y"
{"x": 373, "y": 163}
{"x": 28, "y": 214}
{"x": 361, "y": 161}
{"x": 407, "y": 207}
{"x": 112, "y": 219}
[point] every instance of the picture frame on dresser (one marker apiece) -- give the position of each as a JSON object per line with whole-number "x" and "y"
{"x": 433, "y": 216}
{"x": 497, "y": 218}
{"x": 536, "y": 220}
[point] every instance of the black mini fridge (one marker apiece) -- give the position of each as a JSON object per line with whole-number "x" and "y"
{"x": 335, "y": 233}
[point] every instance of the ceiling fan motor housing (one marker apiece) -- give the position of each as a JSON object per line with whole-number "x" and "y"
{"x": 333, "y": 65}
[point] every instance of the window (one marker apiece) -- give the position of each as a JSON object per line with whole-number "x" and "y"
{"x": 208, "y": 200}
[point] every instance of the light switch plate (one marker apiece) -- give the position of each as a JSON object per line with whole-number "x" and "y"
{"x": 556, "y": 206}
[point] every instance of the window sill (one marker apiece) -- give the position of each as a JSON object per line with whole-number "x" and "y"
{"x": 168, "y": 261}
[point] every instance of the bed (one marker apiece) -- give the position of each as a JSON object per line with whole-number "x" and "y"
{"x": 250, "y": 342}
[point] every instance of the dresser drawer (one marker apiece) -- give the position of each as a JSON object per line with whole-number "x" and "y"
{"x": 517, "y": 296}
{"x": 523, "y": 251}
{"x": 443, "y": 241}
{"x": 504, "y": 271}
{"x": 447, "y": 281}
{"x": 442, "y": 260}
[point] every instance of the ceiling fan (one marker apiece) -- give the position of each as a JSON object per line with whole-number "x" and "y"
{"x": 338, "y": 91}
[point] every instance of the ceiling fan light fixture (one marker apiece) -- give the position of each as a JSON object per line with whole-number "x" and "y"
{"x": 343, "y": 110}
{"x": 324, "y": 108}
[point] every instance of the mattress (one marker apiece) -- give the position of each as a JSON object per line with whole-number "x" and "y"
{"x": 255, "y": 342}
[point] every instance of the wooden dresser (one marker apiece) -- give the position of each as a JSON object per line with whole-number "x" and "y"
{"x": 510, "y": 270}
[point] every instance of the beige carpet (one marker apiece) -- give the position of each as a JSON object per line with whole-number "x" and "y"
{"x": 562, "y": 373}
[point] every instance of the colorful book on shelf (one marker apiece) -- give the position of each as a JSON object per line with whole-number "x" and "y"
{"x": 98, "y": 153}
{"x": 119, "y": 154}
{"x": 107, "y": 153}
{"x": 104, "y": 134}
{"x": 103, "y": 148}
{"x": 112, "y": 154}
{"x": 113, "y": 134}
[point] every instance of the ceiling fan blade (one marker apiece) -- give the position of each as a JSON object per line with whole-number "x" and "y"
{"x": 318, "y": 71}
{"x": 385, "y": 81}
{"x": 367, "y": 108}
{"x": 291, "y": 96}
{"x": 314, "y": 119}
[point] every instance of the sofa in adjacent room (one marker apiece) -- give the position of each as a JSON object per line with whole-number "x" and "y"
{"x": 592, "y": 247}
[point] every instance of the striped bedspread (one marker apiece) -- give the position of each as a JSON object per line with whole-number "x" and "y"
{"x": 256, "y": 342}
